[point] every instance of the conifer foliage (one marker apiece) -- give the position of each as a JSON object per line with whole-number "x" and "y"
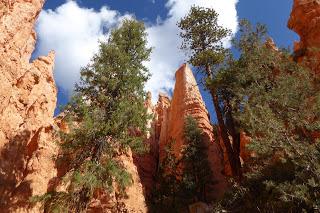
{"x": 276, "y": 101}
{"x": 107, "y": 117}
{"x": 202, "y": 40}
{"x": 197, "y": 174}
{"x": 272, "y": 98}
{"x": 184, "y": 179}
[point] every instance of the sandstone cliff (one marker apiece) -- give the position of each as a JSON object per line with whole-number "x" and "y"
{"x": 28, "y": 100}
{"x": 305, "y": 20}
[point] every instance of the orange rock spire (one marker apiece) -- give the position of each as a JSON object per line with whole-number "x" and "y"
{"x": 187, "y": 100}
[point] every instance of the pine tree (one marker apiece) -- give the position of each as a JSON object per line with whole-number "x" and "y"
{"x": 202, "y": 40}
{"x": 107, "y": 117}
{"x": 197, "y": 174}
{"x": 167, "y": 193}
{"x": 278, "y": 105}
{"x": 184, "y": 180}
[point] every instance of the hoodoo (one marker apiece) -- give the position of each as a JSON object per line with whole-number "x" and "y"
{"x": 187, "y": 100}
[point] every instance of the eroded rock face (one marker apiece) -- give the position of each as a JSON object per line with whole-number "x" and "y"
{"x": 305, "y": 20}
{"x": 187, "y": 100}
{"x": 28, "y": 100}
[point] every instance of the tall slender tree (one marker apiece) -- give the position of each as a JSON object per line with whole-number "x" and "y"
{"x": 105, "y": 115}
{"x": 203, "y": 40}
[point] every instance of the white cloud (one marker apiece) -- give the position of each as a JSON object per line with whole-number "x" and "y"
{"x": 73, "y": 32}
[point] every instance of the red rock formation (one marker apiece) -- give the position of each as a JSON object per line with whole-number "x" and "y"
{"x": 305, "y": 20}
{"x": 168, "y": 124}
{"x": 28, "y": 100}
{"x": 134, "y": 201}
{"x": 187, "y": 100}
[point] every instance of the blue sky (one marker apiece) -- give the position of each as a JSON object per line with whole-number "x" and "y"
{"x": 75, "y": 40}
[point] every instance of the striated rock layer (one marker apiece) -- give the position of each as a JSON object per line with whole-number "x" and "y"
{"x": 305, "y": 20}
{"x": 28, "y": 100}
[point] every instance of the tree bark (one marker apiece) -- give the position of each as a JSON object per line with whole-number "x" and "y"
{"x": 233, "y": 159}
{"x": 224, "y": 135}
{"x": 231, "y": 126}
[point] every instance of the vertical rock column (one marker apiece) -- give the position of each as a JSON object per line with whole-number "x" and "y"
{"x": 187, "y": 100}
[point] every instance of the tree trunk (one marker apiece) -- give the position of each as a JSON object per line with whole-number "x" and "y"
{"x": 230, "y": 123}
{"x": 225, "y": 138}
{"x": 233, "y": 159}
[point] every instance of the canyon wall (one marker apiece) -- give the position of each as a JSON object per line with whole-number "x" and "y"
{"x": 28, "y": 100}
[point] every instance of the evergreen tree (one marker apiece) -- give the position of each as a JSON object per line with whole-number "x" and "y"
{"x": 166, "y": 195}
{"x": 197, "y": 174}
{"x": 107, "y": 117}
{"x": 278, "y": 105}
{"x": 202, "y": 39}
{"x": 185, "y": 180}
